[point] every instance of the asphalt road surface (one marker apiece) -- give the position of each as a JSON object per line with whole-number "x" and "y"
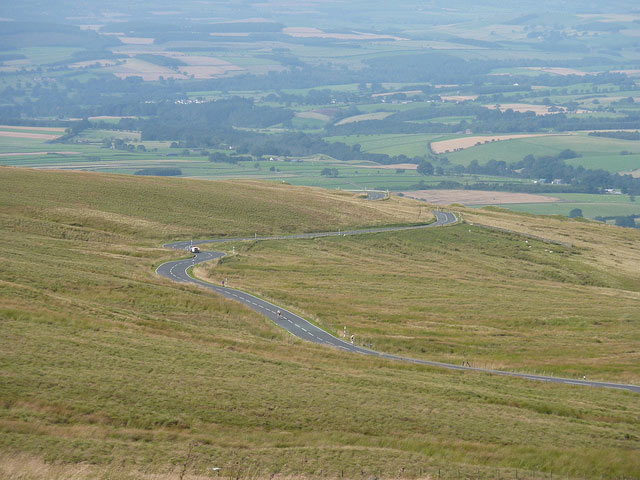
{"x": 301, "y": 328}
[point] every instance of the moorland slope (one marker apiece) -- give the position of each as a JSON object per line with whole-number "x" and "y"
{"x": 110, "y": 371}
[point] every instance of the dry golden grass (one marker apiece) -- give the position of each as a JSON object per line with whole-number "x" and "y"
{"x": 112, "y": 372}
{"x": 611, "y": 248}
{"x": 392, "y": 166}
{"x": 458, "y": 98}
{"x": 521, "y": 107}
{"x": 403, "y": 92}
{"x": 22, "y": 466}
{"x": 204, "y": 209}
{"x": 364, "y": 117}
{"x": 133, "y": 67}
{"x": 314, "y": 115}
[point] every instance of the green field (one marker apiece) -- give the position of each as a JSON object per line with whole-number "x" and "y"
{"x": 308, "y": 124}
{"x": 97, "y": 135}
{"x": 589, "y": 210}
{"x": 392, "y": 144}
{"x": 29, "y": 145}
{"x": 393, "y": 107}
{"x": 353, "y": 175}
{"x": 452, "y": 120}
{"x": 592, "y": 205}
{"x": 351, "y": 87}
{"x": 46, "y": 55}
{"x": 596, "y": 152}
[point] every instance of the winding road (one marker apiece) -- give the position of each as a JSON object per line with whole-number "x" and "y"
{"x": 301, "y": 328}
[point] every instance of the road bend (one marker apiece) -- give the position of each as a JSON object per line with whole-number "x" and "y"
{"x": 301, "y": 328}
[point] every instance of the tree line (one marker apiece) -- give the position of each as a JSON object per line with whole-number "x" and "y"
{"x": 552, "y": 174}
{"x": 620, "y": 135}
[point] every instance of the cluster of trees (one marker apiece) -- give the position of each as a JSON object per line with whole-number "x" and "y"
{"x": 484, "y": 120}
{"x": 197, "y": 121}
{"x": 73, "y": 130}
{"x": 161, "y": 60}
{"x": 619, "y": 135}
{"x": 553, "y": 169}
{"x": 628, "y": 221}
{"x": 33, "y": 34}
{"x": 552, "y": 173}
{"x": 425, "y": 168}
{"x": 219, "y": 157}
{"x": 329, "y": 172}
{"x": 588, "y": 180}
{"x": 121, "y": 144}
{"x": 160, "y": 171}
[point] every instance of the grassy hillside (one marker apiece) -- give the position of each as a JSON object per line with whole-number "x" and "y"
{"x": 466, "y": 293}
{"x": 158, "y": 209}
{"x": 109, "y": 371}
